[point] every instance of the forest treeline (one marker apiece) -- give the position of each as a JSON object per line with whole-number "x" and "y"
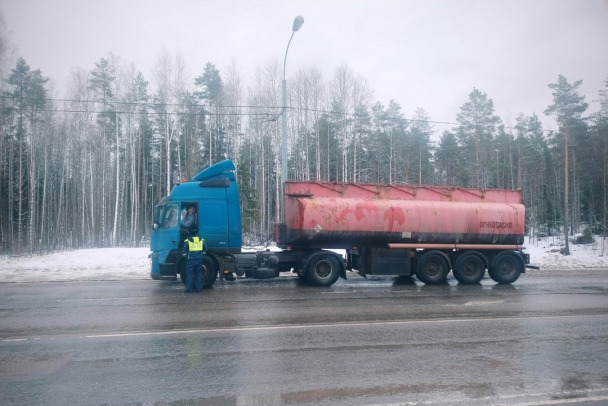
{"x": 86, "y": 170}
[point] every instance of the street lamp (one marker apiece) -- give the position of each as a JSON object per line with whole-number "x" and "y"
{"x": 297, "y": 23}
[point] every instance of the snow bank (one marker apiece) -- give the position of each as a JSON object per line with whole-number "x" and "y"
{"x": 133, "y": 263}
{"x": 83, "y": 265}
{"x": 547, "y": 254}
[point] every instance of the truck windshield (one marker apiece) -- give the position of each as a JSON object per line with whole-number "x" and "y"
{"x": 168, "y": 216}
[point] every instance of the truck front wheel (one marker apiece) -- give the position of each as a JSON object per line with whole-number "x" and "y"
{"x": 323, "y": 270}
{"x": 209, "y": 271}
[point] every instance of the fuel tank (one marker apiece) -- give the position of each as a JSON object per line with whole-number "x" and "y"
{"x": 343, "y": 215}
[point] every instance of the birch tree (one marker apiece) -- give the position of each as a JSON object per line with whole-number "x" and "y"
{"x": 170, "y": 82}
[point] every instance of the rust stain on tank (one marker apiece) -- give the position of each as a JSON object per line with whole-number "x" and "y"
{"x": 359, "y": 213}
{"x": 342, "y": 216}
{"x": 398, "y": 215}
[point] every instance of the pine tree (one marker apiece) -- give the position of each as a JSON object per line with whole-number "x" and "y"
{"x": 210, "y": 93}
{"x": 449, "y": 160}
{"x": 476, "y": 133}
{"x": 27, "y": 99}
{"x": 567, "y": 108}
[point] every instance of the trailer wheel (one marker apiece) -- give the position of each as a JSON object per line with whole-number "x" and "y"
{"x": 432, "y": 268}
{"x": 209, "y": 271}
{"x": 470, "y": 268}
{"x": 506, "y": 267}
{"x": 323, "y": 270}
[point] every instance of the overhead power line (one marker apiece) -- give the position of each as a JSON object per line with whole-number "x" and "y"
{"x": 270, "y": 116}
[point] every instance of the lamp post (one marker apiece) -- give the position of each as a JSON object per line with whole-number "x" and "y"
{"x": 297, "y": 23}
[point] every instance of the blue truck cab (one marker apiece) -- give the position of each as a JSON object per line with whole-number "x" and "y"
{"x": 215, "y": 196}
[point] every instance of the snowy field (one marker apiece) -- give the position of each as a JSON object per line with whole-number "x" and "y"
{"x": 133, "y": 263}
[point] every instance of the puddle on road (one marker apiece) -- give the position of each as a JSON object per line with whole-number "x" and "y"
{"x": 319, "y": 395}
{"x": 31, "y": 366}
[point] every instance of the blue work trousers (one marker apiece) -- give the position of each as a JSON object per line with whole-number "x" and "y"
{"x": 194, "y": 274}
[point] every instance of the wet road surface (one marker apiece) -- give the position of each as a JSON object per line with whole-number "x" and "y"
{"x": 542, "y": 340}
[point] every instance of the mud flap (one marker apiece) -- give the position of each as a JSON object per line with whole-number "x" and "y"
{"x": 168, "y": 271}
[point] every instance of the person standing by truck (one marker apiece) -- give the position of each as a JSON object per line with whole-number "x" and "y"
{"x": 193, "y": 250}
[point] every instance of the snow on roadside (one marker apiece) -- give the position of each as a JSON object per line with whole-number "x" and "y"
{"x": 82, "y": 265}
{"x": 133, "y": 263}
{"x": 547, "y": 254}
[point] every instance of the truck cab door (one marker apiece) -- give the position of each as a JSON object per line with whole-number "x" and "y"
{"x": 167, "y": 235}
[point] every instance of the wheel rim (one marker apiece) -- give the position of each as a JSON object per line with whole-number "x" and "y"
{"x": 434, "y": 267}
{"x": 506, "y": 268}
{"x": 323, "y": 269}
{"x": 472, "y": 267}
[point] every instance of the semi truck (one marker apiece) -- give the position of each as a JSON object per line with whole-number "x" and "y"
{"x": 330, "y": 228}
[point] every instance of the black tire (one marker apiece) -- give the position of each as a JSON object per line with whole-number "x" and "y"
{"x": 470, "y": 268}
{"x": 323, "y": 270}
{"x": 209, "y": 271}
{"x": 182, "y": 271}
{"x": 506, "y": 267}
{"x": 432, "y": 268}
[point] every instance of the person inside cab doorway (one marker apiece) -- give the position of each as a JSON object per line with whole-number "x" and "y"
{"x": 193, "y": 251}
{"x": 189, "y": 223}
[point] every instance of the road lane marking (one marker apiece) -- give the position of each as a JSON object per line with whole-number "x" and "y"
{"x": 581, "y": 396}
{"x": 476, "y": 303}
{"x": 327, "y": 325}
{"x": 303, "y": 326}
{"x": 481, "y": 302}
{"x": 561, "y": 401}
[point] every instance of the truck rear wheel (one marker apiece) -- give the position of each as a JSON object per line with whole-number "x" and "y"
{"x": 470, "y": 268}
{"x": 432, "y": 268}
{"x": 506, "y": 267}
{"x": 323, "y": 270}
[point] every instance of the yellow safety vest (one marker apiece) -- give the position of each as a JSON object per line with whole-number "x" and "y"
{"x": 196, "y": 245}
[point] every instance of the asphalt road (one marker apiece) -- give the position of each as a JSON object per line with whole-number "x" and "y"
{"x": 542, "y": 340}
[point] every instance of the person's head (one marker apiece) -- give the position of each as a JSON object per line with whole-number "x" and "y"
{"x": 191, "y": 210}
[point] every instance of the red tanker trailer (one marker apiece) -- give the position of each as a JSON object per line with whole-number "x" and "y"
{"x": 400, "y": 230}
{"x": 409, "y": 230}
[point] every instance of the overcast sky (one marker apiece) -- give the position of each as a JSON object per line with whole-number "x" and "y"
{"x": 421, "y": 53}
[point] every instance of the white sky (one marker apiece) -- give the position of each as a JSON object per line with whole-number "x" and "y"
{"x": 421, "y": 53}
